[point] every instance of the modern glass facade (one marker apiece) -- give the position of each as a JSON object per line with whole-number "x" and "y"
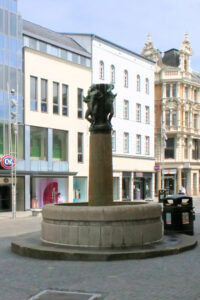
{"x": 10, "y": 59}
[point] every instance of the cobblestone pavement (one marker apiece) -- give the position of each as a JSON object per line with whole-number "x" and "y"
{"x": 169, "y": 277}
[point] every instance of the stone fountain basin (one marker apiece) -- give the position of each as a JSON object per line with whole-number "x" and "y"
{"x": 121, "y": 225}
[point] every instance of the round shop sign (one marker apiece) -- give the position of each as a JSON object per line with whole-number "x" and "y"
{"x": 8, "y": 162}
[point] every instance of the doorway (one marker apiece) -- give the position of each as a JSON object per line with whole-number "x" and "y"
{"x": 169, "y": 185}
{"x": 5, "y": 197}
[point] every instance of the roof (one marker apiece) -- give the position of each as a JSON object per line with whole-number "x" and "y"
{"x": 94, "y": 36}
{"x": 52, "y": 37}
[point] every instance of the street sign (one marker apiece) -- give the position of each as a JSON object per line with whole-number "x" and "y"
{"x": 8, "y": 162}
{"x": 156, "y": 167}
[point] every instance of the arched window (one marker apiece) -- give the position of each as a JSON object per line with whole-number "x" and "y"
{"x": 125, "y": 78}
{"x": 101, "y": 69}
{"x": 112, "y": 74}
{"x": 138, "y": 83}
{"x": 147, "y": 85}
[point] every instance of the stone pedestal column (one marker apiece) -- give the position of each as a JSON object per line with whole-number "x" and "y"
{"x": 100, "y": 170}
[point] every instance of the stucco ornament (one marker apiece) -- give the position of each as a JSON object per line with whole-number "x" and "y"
{"x": 100, "y": 111}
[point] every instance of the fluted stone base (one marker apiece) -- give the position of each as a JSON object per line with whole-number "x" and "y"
{"x": 116, "y": 226}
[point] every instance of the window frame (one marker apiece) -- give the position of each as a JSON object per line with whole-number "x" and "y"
{"x": 80, "y": 154}
{"x": 34, "y": 99}
{"x": 138, "y": 112}
{"x": 56, "y": 105}
{"x": 46, "y": 94}
{"x": 138, "y": 80}
{"x": 65, "y": 106}
{"x": 80, "y": 108}
{"x": 125, "y": 78}
{"x": 126, "y": 110}
{"x": 101, "y": 70}
{"x": 138, "y": 144}
{"x": 125, "y": 142}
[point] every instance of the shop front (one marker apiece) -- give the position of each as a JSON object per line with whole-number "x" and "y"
{"x": 45, "y": 190}
{"x": 142, "y": 185}
{"x": 170, "y": 180}
{"x": 80, "y": 189}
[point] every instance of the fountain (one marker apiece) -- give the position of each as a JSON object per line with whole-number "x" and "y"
{"x": 101, "y": 229}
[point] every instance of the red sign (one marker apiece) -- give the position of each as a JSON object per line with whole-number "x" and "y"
{"x": 8, "y": 161}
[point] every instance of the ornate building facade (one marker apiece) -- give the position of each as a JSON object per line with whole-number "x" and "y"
{"x": 177, "y": 119}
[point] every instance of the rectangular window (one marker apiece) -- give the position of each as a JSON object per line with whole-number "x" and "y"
{"x": 174, "y": 118}
{"x": 80, "y": 147}
{"x": 186, "y": 93}
{"x": 80, "y": 103}
{"x": 168, "y": 94}
{"x": 126, "y": 142}
{"x": 65, "y": 100}
{"x": 195, "y": 149}
{"x": 147, "y": 145}
{"x": 147, "y": 114}
{"x": 114, "y": 141}
{"x": 187, "y": 119}
{"x": 196, "y": 121}
{"x": 126, "y": 109}
{"x": 138, "y": 144}
{"x": 55, "y": 98}
{"x": 33, "y": 93}
{"x": 167, "y": 117}
{"x": 186, "y": 149}
{"x": 38, "y": 142}
{"x": 44, "y": 95}
{"x": 138, "y": 112}
{"x": 169, "y": 150}
{"x": 174, "y": 90}
{"x": 60, "y": 145}
{"x": 195, "y": 95}
{"x": 13, "y": 24}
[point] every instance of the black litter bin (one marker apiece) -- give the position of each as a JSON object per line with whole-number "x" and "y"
{"x": 161, "y": 195}
{"x": 178, "y": 214}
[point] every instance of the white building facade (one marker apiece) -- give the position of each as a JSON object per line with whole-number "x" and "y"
{"x": 133, "y": 121}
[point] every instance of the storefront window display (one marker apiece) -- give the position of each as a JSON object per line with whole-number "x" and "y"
{"x": 80, "y": 189}
{"x": 45, "y": 191}
{"x": 126, "y": 186}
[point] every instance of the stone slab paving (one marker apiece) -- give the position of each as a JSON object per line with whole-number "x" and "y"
{"x": 163, "y": 278}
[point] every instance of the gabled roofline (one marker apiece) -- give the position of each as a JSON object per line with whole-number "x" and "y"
{"x": 94, "y": 36}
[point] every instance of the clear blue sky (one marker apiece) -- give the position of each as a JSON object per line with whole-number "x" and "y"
{"x": 125, "y": 22}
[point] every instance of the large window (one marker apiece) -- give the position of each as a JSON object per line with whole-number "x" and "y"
{"x": 33, "y": 93}
{"x": 112, "y": 74}
{"x": 126, "y": 110}
{"x": 138, "y": 144}
{"x": 147, "y": 145}
{"x": 55, "y": 98}
{"x": 147, "y": 114}
{"x": 65, "y": 100}
{"x": 138, "y": 112}
{"x": 44, "y": 95}
{"x": 80, "y": 147}
{"x": 169, "y": 150}
{"x": 101, "y": 70}
{"x": 38, "y": 136}
{"x": 125, "y": 78}
{"x": 138, "y": 83}
{"x": 60, "y": 145}
{"x": 80, "y": 103}
{"x": 186, "y": 93}
{"x": 126, "y": 142}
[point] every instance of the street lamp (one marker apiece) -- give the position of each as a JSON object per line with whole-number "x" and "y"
{"x": 163, "y": 146}
{"x": 13, "y": 127}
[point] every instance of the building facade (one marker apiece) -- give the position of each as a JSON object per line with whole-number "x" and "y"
{"x": 133, "y": 121}
{"x": 177, "y": 117}
{"x": 11, "y": 99}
